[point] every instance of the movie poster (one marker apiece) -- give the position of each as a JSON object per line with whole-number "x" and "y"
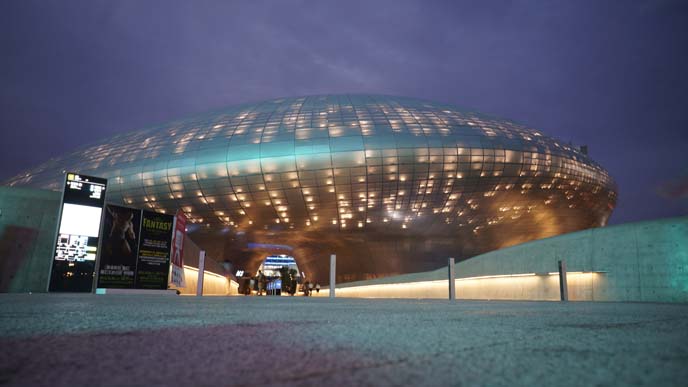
{"x": 153, "y": 266}
{"x": 121, "y": 236}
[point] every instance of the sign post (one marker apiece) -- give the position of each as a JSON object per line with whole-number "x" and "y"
{"x": 76, "y": 244}
{"x": 452, "y": 280}
{"x": 333, "y": 274}
{"x": 201, "y": 270}
{"x": 563, "y": 286}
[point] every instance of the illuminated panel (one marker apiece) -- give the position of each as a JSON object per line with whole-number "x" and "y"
{"x": 80, "y": 220}
{"x": 526, "y": 286}
{"x": 77, "y": 234}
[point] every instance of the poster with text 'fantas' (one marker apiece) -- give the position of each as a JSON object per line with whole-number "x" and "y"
{"x": 152, "y": 268}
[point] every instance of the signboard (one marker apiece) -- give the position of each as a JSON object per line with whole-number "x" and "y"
{"x": 178, "y": 250}
{"x": 153, "y": 264}
{"x": 135, "y": 252}
{"x": 76, "y": 246}
{"x": 120, "y": 247}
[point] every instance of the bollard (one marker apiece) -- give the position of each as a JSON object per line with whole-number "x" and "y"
{"x": 201, "y": 270}
{"x": 333, "y": 274}
{"x": 452, "y": 280}
{"x": 563, "y": 286}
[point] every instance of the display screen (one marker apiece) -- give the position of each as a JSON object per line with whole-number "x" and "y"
{"x": 80, "y": 220}
{"x": 76, "y": 246}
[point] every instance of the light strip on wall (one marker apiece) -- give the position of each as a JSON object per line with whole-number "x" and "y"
{"x": 476, "y": 278}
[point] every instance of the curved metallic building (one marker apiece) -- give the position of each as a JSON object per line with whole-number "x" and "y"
{"x": 390, "y": 184}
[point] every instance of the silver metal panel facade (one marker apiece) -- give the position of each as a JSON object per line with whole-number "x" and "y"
{"x": 389, "y": 184}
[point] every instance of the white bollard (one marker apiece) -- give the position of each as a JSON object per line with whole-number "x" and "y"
{"x": 201, "y": 270}
{"x": 563, "y": 285}
{"x": 333, "y": 274}
{"x": 452, "y": 279}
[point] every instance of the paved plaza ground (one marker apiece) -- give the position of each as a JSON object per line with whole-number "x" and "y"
{"x": 114, "y": 340}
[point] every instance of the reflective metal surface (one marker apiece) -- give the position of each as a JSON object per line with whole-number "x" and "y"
{"x": 389, "y": 184}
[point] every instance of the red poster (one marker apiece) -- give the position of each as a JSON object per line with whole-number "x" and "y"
{"x": 178, "y": 250}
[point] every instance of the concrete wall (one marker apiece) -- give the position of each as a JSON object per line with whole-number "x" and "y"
{"x": 544, "y": 287}
{"x": 28, "y": 219}
{"x": 646, "y": 261}
{"x": 213, "y": 284}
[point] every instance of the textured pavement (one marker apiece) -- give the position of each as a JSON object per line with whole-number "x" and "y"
{"x": 86, "y": 340}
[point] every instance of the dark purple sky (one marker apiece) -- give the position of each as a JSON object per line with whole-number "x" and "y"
{"x": 610, "y": 74}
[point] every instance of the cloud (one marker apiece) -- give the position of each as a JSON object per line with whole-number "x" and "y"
{"x": 676, "y": 189}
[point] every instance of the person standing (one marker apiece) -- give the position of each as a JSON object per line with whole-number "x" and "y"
{"x": 261, "y": 282}
{"x": 251, "y": 286}
{"x": 292, "y": 284}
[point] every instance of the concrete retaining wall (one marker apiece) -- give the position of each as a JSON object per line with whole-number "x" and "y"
{"x": 213, "y": 284}
{"x": 645, "y": 261}
{"x": 28, "y": 219}
{"x": 542, "y": 287}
